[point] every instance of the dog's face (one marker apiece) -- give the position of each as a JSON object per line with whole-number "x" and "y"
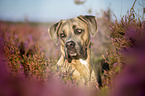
{"x": 74, "y": 35}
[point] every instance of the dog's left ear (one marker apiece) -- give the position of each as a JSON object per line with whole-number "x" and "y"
{"x": 53, "y": 31}
{"x": 91, "y": 22}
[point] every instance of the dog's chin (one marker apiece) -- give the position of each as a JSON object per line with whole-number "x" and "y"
{"x": 76, "y": 56}
{"x": 72, "y": 53}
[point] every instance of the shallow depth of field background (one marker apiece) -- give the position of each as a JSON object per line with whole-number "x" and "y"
{"x": 28, "y": 56}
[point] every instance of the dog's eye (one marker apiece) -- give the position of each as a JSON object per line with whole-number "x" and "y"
{"x": 78, "y": 31}
{"x": 62, "y": 34}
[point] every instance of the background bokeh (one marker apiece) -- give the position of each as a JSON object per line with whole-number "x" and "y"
{"x": 54, "y": 10}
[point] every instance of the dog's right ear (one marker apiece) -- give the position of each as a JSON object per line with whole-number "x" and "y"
{"x": 53, "y": 31}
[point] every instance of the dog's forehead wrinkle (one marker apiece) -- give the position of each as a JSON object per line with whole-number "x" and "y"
{"x": 72, "y": 22}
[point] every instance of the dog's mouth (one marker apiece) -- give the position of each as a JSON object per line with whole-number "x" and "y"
{"x": 74, "y": 54}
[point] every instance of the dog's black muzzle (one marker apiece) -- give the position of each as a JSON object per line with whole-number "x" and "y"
{"x": 75, "y": 53}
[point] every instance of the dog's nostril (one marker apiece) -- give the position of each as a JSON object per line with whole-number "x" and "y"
{"x": 70, "y": 44}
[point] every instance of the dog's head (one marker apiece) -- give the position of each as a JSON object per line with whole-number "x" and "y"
{"x": 74, "y": 35}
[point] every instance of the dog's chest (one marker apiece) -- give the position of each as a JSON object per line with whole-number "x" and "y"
{"x": 81, "y": 66}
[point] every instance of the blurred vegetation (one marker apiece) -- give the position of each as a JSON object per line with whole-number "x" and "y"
{"x": 126, "y": 35}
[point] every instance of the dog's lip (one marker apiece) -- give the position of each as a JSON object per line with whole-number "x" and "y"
{"x": 72, "y": 53}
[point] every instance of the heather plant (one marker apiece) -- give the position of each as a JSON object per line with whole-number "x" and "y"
{"x": 128, "y": 33}
{"x": 30, "y": 57}
{"x": 27, "y": 61}
{"x": 126, "y": 58}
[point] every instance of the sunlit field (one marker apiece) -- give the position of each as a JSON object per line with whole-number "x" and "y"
{"x": 28, "y": 60}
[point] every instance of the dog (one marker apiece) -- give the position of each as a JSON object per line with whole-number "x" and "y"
{"x": 74, "y": 35}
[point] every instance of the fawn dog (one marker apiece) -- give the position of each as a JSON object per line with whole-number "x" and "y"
{"x": 74, "y": 35}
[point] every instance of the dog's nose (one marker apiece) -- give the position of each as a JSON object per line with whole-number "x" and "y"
{"x": 70, "y": 44}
